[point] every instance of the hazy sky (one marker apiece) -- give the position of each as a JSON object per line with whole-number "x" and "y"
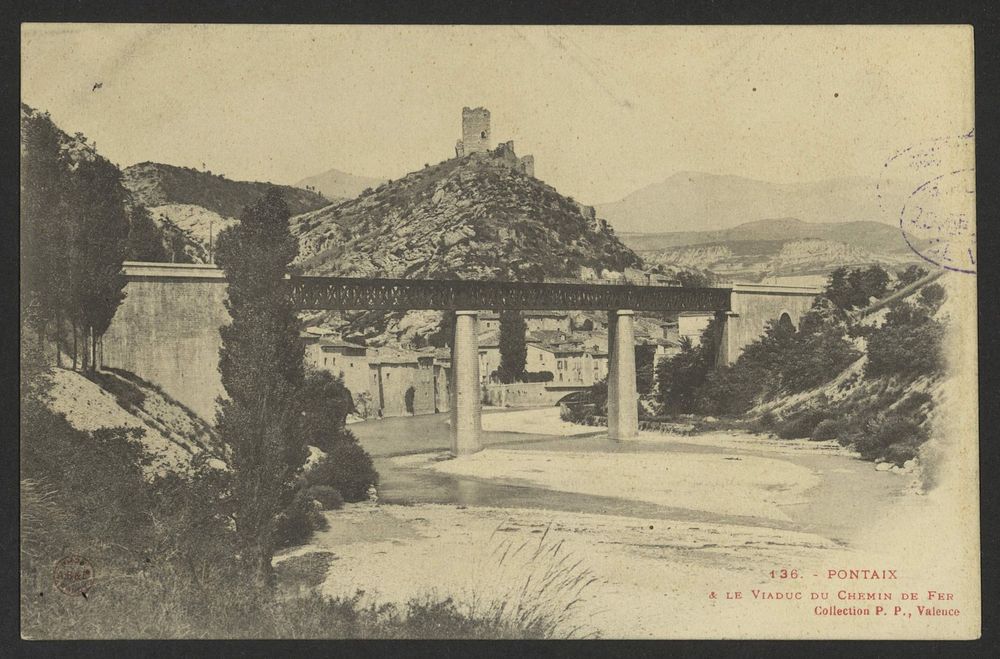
{"x": 604, "y": 110}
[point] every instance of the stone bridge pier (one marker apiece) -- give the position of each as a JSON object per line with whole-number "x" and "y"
{"x": 623, "y": 398}
{"x": 466, "y": 402}
{"x": 466, "y": 405}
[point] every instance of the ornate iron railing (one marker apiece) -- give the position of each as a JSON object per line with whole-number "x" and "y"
{"x": 403, "y": 294}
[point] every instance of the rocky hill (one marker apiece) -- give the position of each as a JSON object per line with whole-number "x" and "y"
{"x": 335, "y": 184}
{"x": 693, "y": 201}
{"x": 191, "y": 206}
{"x": 155, "y": 184}
{"x": 470, "y": 217}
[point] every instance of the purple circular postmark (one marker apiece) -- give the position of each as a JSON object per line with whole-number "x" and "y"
{"x": 73, "y": 575}
{"x": 931, "y": 189}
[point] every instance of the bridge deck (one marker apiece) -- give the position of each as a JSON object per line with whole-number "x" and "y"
{"x": 402, "y": 294}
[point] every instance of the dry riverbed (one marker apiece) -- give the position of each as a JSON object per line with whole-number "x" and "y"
{"x": 746, "y": 503}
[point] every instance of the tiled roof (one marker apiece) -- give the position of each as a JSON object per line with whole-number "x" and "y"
{"x": 392, "y": 356}
{"x": 334, "y": 342}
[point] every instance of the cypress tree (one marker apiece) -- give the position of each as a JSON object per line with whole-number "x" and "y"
{"x": 261, "y": 366}
{"x": 145, "y": 241}
{"x": 513, "y": 346}
{"x": 98, "y": 241}
{"x": 45, "y": 181}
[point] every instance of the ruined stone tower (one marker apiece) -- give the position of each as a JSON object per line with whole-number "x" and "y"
{"x": 475, "y": 132}
{"x": 476, "y": 139}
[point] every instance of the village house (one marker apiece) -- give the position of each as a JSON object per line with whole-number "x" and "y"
{"x": 402, "y": 382}
{"x": 691, "y": 324}
{"x": 571, "y": 364}
{"x": 341, "y": 358}
{"x": 489, "y": 354}
{"x": 551, "y": 321}
{"x": 383, "y": 381}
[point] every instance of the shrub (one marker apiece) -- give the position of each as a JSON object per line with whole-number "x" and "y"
{"x": 326, "y": 495}
{"x": 800, "y": 425}
{"x": 763, "y": 423}
{"x": 537, "y": 376}
{"x": 883, "y": 430}
{"x": 127, "y": 395}
{"x": 577, "y": 412}
{"x": 346, "y": 468}
{"x": 908, "y": 343}
{"x": 900, "y": 453}
{"x": 296, "y": 523}
{"x": 829, "y": 429}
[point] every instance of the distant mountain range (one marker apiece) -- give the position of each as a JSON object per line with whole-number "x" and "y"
{"x": 335, "y": 184}
{"x": 782, "y": 248}
{"x": 692, "y": 201}
{"x": 874, "y": 236}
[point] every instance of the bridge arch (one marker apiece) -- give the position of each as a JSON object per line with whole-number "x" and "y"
{"x": 753, "y": 307}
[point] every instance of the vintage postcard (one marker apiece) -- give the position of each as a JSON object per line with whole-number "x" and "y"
{"x": 634, "y": 332}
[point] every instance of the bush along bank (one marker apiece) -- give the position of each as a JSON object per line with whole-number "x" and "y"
{"x": 867, "y": 382}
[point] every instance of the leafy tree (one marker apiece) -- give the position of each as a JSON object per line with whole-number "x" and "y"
{"x": 175, "y": 248}
{"x": 97, "y": 248}
{"x": 325, "y": 403}
{"x": 910, "y": 275}
{"x": 74, "y": 231}
{"x": 145, "y": 241}
{"x": 909, "y": 342}
{"x": 644, "y": 358}
{"x": 45, "y": 193}
{"x": 680, "y": 377}
{"x": 261, "y": 366}
{"x": 853, "y": 289}
{"x": 692, "y": 279}
{"x": 513, "y": 346}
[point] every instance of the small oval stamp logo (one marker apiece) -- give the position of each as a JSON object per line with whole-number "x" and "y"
{"x": 73, "y": 575}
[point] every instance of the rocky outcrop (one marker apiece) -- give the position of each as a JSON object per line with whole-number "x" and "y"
{"x": 473, "y": 217}
{"x": 156, "y": 184}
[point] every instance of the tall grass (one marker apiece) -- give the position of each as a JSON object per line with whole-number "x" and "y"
{"x": 164, "y": 603}
{"x": 533, "y": 587}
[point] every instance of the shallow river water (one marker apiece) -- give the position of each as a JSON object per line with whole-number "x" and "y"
{"x": 831, "y": 509}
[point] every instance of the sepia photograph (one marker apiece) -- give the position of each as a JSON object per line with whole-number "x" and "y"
{"x": 498, "y": 332}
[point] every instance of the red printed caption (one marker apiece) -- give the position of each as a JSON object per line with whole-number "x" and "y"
{"x": 859, "y": 592}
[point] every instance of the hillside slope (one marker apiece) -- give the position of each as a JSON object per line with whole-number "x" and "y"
{"x": 173, "y": 435}
{"x": 470, "y": 217}
{"x": 693, "y": 201}
{"x": 156, "y": 184}
{"x": 335, "y": 184}
{"x": 191, "y": 207}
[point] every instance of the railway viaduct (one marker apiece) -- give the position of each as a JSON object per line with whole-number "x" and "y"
{"x": 167, "y": 329}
